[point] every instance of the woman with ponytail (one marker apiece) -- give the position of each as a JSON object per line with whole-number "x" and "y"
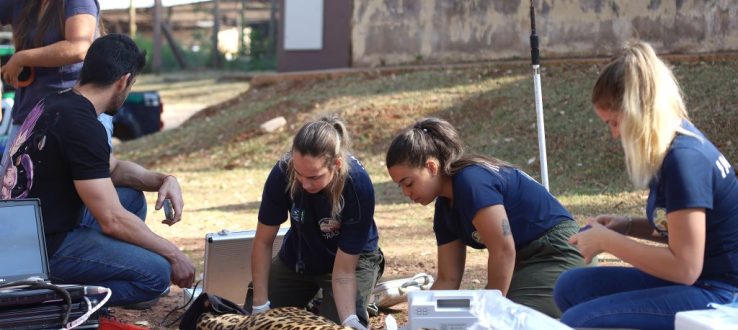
{"x": 485, "y": 203}
{"x": 692, "y": 208}
{"x": 332, "y": 240}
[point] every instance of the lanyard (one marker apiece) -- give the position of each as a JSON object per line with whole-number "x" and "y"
{"x": 299, "y": 218}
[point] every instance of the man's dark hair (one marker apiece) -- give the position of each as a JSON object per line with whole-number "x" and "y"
{"x": 109, "y": 58}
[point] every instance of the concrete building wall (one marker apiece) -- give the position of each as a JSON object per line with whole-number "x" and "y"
{"x": 386, "y": 32}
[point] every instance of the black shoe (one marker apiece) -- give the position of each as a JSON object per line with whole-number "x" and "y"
{"x": 142, "y": 305}
{"x": 146, "y": 304}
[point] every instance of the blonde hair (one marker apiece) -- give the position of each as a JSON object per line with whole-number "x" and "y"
{"x": 642, "y": 89}
{"x": 326, "y": 138}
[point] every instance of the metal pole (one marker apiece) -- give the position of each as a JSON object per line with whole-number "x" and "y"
{"x": 535, "y": 59}
{"x": 214, "y": 38}
{"x": 156, "y": 56}
{"x": 273, "y": 28}
{"x": 132, "y": 20}
{"x": 241, "y": 26}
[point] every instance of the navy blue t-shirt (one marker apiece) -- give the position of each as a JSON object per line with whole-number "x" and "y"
{"x": 47, "y": 80}
{"x": 695, "y": 174}
{"x": 531, "y": 209}
{"x": 320, "y": 235}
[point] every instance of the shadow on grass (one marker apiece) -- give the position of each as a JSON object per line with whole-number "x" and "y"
{"x": 248, "y": 206}
{"x": 230, "y": 133}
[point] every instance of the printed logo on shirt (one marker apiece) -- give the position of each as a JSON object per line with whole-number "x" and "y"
{"x": 330, "y": 227}
{"x": 660, "y": 222}
{"x": 296, "y": 214}
{"x": 476, "y": 237}
{"x": 723, "y": 165}
{"x": 16, "y": 165}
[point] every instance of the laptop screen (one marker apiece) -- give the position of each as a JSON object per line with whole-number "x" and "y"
{"x": 22, "y": 247}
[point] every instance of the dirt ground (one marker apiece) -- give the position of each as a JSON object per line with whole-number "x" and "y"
{"x": 154, "y": 318}
{"x": 215, "y": 155}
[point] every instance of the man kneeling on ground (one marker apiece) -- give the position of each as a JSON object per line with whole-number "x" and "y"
{"x": 62, "y": 157}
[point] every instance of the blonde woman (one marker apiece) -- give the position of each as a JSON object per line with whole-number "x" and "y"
{"x": 332, "y": 240}
{"x": 692, "y": 207}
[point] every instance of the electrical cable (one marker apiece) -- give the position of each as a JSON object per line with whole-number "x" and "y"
{"x": 186, "y": 304}
{"x": 90, "y": 310}
{"x": 39, "y": 284}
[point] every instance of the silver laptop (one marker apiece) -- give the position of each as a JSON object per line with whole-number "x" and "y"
{"x": 22, "y": 243}
{"x": 23, "y": 254}
{"x": 22, "y": 258}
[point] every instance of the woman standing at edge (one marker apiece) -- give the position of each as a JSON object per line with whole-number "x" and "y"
{"x": 51, "y": 38}
{"x": 483, "y": 202}
{"x": 692, "y": 207}
{"x": 332, "y": 240}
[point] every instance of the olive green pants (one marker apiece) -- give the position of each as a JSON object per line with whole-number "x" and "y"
{"x": 538, "y": 266}
{"x": 287, "y": 288}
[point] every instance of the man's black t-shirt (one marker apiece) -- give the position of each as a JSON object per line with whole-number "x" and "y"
{"x": 62, "y": 142}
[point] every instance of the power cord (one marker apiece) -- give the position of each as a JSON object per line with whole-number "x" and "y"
{"x": 39, "y": 284}
{"x": 90, "y": 309}
{"x": 186, "y": 304}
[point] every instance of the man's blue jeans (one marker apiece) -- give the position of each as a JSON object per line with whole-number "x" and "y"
{"x": 625, "y": 297}
{"x": 87, "y": 256}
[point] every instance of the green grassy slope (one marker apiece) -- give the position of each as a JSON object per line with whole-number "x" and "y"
{"x": 491, "y": 106}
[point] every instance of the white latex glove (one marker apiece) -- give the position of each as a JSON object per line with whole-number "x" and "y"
{"x": 353, "y": 321}
{"x": 261, "y": 308}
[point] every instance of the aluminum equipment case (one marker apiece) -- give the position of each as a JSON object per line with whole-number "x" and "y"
{"x": 228, "y": 262}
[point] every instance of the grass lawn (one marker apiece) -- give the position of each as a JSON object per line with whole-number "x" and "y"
{"x": 222, "y": 160}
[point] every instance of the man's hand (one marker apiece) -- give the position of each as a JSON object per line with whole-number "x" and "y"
{"x": 100, "y": 197}
{"x": 171, "y": 190}
{"x": 183, "y": 271}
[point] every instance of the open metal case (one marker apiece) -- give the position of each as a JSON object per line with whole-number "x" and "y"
{"x": 228, "y": 263}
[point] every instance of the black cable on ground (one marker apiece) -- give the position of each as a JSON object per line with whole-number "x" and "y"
{"x": 179, "y": 318}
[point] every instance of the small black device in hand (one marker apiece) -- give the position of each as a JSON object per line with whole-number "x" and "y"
{"x": 168, "y": 211}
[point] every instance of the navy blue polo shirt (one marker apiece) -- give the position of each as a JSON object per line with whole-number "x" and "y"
{"x": 313, "y": 231}
{"x": 531, "y": 209}
{"x": 694, "y": 174}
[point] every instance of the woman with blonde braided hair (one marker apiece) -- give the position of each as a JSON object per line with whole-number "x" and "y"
{"x": 332, "y": 240}
{"x": 692, "y": 208}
